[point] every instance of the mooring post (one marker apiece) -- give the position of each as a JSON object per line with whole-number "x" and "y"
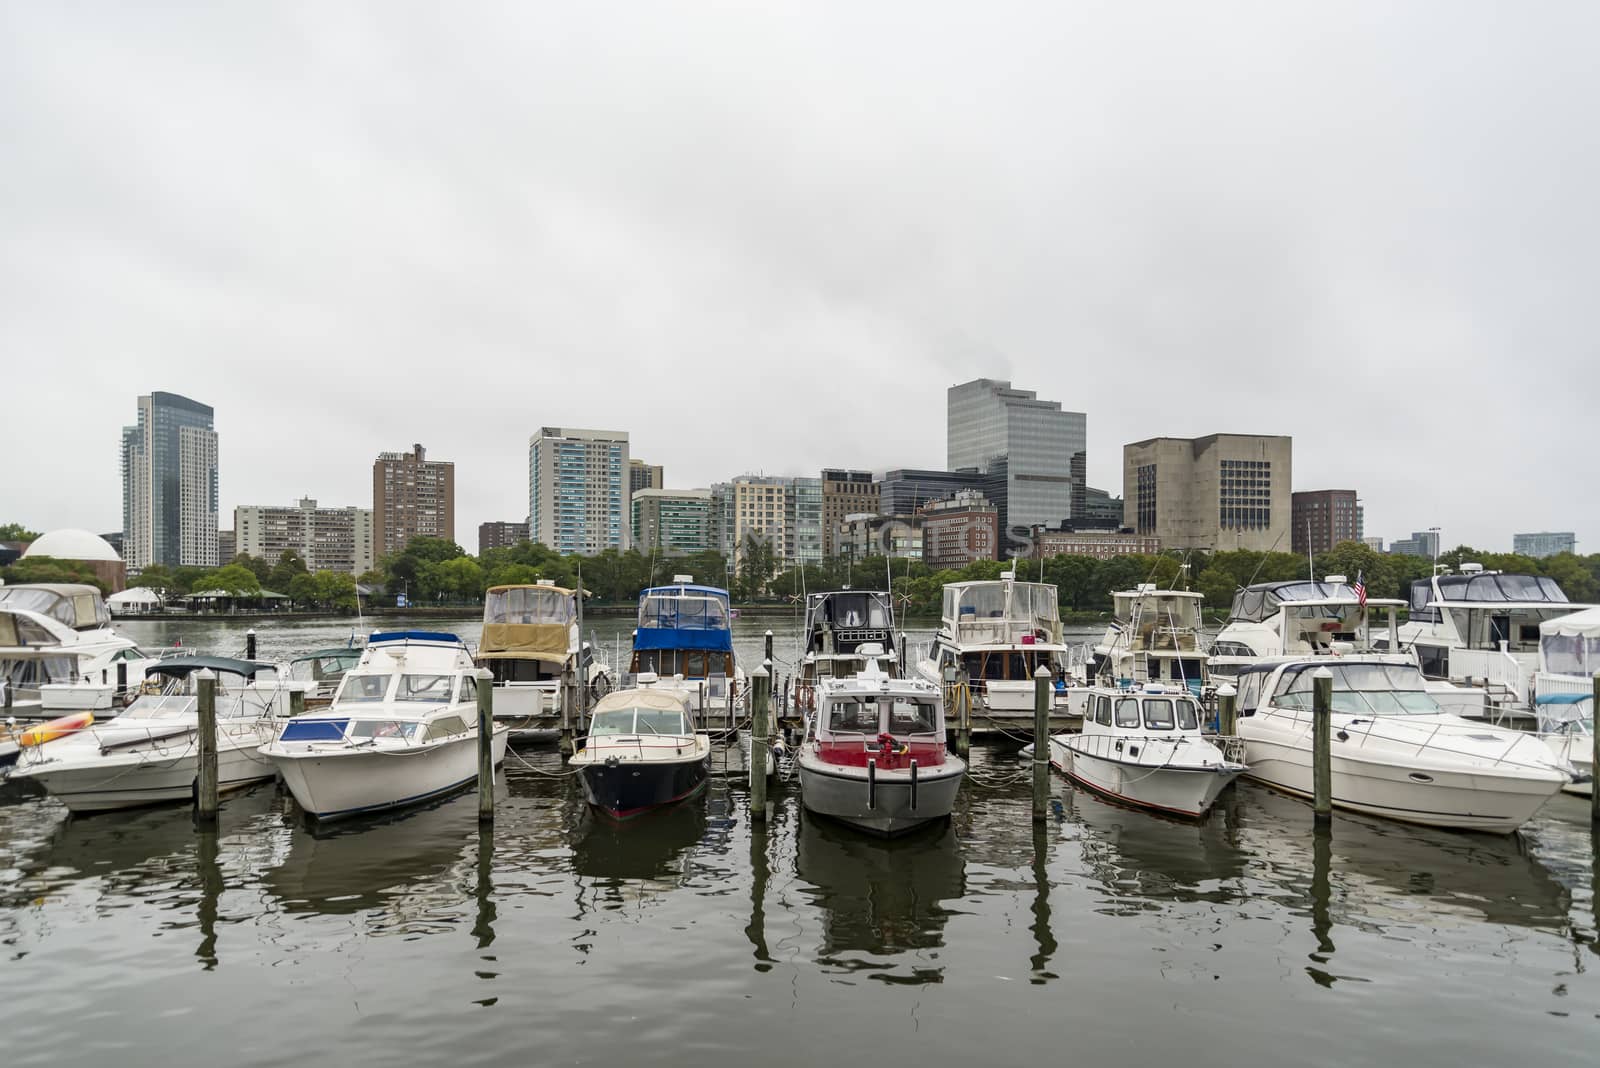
{"x": 1322, "y": 744}
{"x": 760, "y": 691}
{"x": 1227, "y": 711}
{"x": 1042, "y": 691}
{"x": 963, "y": 715}
{"x": 485, "y": 745}
{"x": 566, "y": 699}
{"x": 205, "y": 790}
{"x": 250, "y": 644}
{"x": 900, "y": 648}
{"x": 1594, "y": 758}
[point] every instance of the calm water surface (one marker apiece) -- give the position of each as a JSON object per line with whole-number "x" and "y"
{"x": 693, "y": 937}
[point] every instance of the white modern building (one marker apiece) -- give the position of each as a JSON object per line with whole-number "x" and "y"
{"x": 578, "y": 489}
{"x": 327, "y": 539}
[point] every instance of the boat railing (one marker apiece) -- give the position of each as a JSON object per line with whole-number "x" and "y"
{"x": 1497, "y": 667}
{"x": 1434, "y": 736}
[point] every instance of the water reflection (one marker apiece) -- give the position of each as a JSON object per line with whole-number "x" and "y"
{"x": 1142, "y": 859}
{"x": 1043, "y": 937}
{"x": 208, "y": 874}
{"x": 880, "y": 899}
{"x": 624, "y": 864}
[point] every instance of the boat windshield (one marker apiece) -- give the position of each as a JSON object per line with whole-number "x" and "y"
{"x": 905, "y": 716}
{"x": 1362, "y": 689}
{"x": 18, "y": 630}
{"x": 530, "y": 604}
{"x": 855, "y": 610}
{"x": 683, "y": 611}
{"x": 1161, "y": 713}
{"x": 1256, "y": 604}
{"x": 402, "y": 729}
{"x": 636, "y": 721}
{"x": 364, "y": 688}
{"x": 77, "y": 607}
{"x": 424, "y": 688}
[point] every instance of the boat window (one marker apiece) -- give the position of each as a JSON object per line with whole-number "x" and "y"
{"x": 445, "y": 726}
{"x": 609, "y": 723}
{"x": 857, "y": 611}
{"x": 689, "y": 610}
{"x": 1231, "y": 649}
{"x": 659, "y": 721}
{"x": 1188, "y": 716}
{"x": 530, "y": 604}
{"x": 313, "y": 730}
{"x": 469, "y": 689}
{"x": 1158, "y": 713}
{"x": 403, "y": 729}
{"x": 1364, "y": 689}
{"x": 912, "y": 717}
{"x": 1127, "y": 711}
{"x": 852, "y": 716}
{"x": 1102, "y": 711}
{"x": 1564, "y": 654}
{"x": 424, "y": 688}
{"x": 364, "y": 688}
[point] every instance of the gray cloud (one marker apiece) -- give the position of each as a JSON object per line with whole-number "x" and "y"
{"x": 769, "y": 240}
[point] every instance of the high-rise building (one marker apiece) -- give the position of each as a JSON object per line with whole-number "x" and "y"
{"x": 959, "y": 530}
{"x": 674, "y": 522}
{"x": 904, "y": 490}
{"x": 327, "y": 539}
{"x": 756, "y": 505}
{"x": 1546, "y": 543}
{"x": 844, "y": 493}
{"x": 1101, "y": 511}
{"x": 412, "y": 497}
{"x": 643, "y": 476}
{"x": 896, "y": 536}
{"x": 500, "y": 535}
{"x": 227, "y": 546}
{"x": 1036, "y": 448}
{"x": 1218, "y": 493}
{"x": 578, "y": 489}
{"x": 1373, "y": 542}
{"x": 1421, "y": 543}
{"x": 169, "y": 484}
{"x": 803, "y": 528}
{"x": 1321, "y": 519}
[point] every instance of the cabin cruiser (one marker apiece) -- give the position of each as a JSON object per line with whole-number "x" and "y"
{"x": 1482, "y": 628}
{"x": 531, "y": 636}
{"x": 998, "y": 633}
{"x": 1563, "y": 702}
{"x": 150, "y": 753}
{"x": 402, "y": 728}
{"x": 874, "y": 753}
{"x": 59, "y": 653}
{"x": 642, "y": 751}
{"x": 1269, "y": 620}
{"x": 1154, "y": 636}
{"x": 1144, "y": 747}
{"x": 684, "y": 630}
{"x": 837, "y": 626}
{"x": 1394, "y": 752}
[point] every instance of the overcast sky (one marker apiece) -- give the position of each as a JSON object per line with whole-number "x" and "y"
{"x": 770, "y": 241}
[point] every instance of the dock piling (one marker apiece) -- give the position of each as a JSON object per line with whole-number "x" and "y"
{"x": 1042, "y": 692}
{"x": 297, "y": 702}
{"x": 1322, "y": 744}
{"x": 250, "y": 644}
{"x": 768, "y": 654}
{"x": 760, "y": 693}
{"x": 205, "y": 788}
{"x": 485, "y": 745}
{"x": 963, "y": 715}
{"x": 1594, "y": 757}
{"x": 1227, "y": 711}
{"x": 567, "y": 699}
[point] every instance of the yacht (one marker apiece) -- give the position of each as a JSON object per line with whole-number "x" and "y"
{"x": 1482, "y": 628}
{"x": 402, "y": 728}
{"x": 998, "y": 633}
{"x": 1269, "y": 620}
{"x": 1569, "y": 659}
{"x": 150, "y": 753}
{"x": 59, "y": 653}
{"x": 1144, "y": 747}
{"x": 837, "y": 626}
{"x": 1154, "y": 636}
{"x": 531, "y": 636}
{"x": 874, "y": 753}
{"x": 684, "y": 630}
{"x": 642, "y": 751}
{"x": 1394, "y": 752}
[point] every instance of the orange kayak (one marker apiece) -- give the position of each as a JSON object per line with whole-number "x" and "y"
{"x": 56, "y": 728}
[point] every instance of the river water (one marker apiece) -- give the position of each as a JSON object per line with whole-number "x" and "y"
{"x": 1101, "y": 936}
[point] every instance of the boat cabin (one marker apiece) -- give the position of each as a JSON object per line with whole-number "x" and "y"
{"x": 999, "y": 631}
{"x": 74, "y": 605}
{"x": 1154, "y": 636}
{"x": 874, "y": 717}
{"x": 1153, "y": 708}
{"x": 170, "y": 688}
{"x": 529, "y": 632}
{"x": 1462, "y": 624}
{"x": 843, "y": 629}
{"x": 641, "y": 714}
{"x": 1303, "y": 618}
{"x": 683, "y": 629}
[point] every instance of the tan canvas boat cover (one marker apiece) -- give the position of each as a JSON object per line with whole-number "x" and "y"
{"x": 525, "y": 641}
{"x": 660, "y": 700}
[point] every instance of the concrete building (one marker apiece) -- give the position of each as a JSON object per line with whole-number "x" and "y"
{"x": 1096, "y": 543}
{"x": 1544, "y": 544}
{"x": 960, "y": 530}
{"x": 327, "y": 539}
{"x": 755, "y": 505}
{"x": 1218, "y": 493}
{"x": 1036, "y": 451}
{"x": 904, "y": 490}
{"x": 578, "y": 489}
{"x": 1421, "y": 543}
{"x": 844, "y": 493}
{"x": 169, "y": 484}
{"x": 412, "y": 496}
{"x": 896, "y": 536}
{"x": 499, "y": 534}
{"x": 642, "y": 476}
{"x": 674, "y": 522}
{"x": 1321, "y": 519}
{"x": 1373, "y": 542}
{"x": 227, "y": 546}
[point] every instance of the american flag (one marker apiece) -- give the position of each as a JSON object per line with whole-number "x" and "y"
{"x": 1361, "y": 591}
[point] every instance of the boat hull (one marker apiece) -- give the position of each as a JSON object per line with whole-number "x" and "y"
{"x": 624, "y": 789}
{"x": 1466, "y": 800}
{"x": 1188, "y": 792}
{"x": 1577, "y": 750}
{"x": 332, "y": 784}
{"x": 137, "y": 779}
{"x": 887, "y": 806}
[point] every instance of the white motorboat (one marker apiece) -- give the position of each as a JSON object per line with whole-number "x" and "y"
{"x": 402, "y": 728}
{"x": 1394, "y": 753}
{"x": 874, "y": 753}
{"x": 642, "y": 751}
{"x": 1569, "y": 658}
{"x": 1272, "y": 620}
{"x": 531, "y": 638}
{"x": 998, "y": 633}
{"x": 150, "y": 753}
{"x": 1144, "y": 747}
{"x": 59, "y": 653}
